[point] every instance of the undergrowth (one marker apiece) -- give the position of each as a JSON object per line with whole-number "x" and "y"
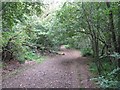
{"x": 34, "y": 57}
{"x": 109, "y": 77}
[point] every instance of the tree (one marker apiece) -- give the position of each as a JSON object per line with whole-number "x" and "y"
{"x": 118, "y": 33}
{"x": 111, "y": 28}
{"x": 13, "y": 13}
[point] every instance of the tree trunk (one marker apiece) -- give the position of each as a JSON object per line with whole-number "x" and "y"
{"x": 119, "y": 34}
{"x": 119, "y": 49}
{"x": 112, "y": 27}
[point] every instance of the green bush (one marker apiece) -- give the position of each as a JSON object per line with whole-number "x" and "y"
{"x": 86, "y": 52}
{"x": 108, "y": 81}
{"x": 67, "y": 46}
{"x": 93, "y": 68}
{"x": 31, "y": 56}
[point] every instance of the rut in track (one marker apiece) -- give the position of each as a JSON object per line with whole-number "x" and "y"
{"x": 63, "y": 71}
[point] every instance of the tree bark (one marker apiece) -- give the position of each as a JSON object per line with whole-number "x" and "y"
{"x": 119, "y": 33}
{"x": 112, "y": 30}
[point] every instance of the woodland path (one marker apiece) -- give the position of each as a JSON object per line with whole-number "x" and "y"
{"x": 63, "y": 71}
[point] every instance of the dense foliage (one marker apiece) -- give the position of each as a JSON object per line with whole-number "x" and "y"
{"x": 93, "y": 28}
{"x": 19, "y": 29}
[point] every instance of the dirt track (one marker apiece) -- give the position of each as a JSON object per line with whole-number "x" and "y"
{"x": 63, "y": 71}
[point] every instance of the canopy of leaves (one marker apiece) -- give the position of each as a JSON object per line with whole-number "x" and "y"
{"x": 93, "y": 28}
